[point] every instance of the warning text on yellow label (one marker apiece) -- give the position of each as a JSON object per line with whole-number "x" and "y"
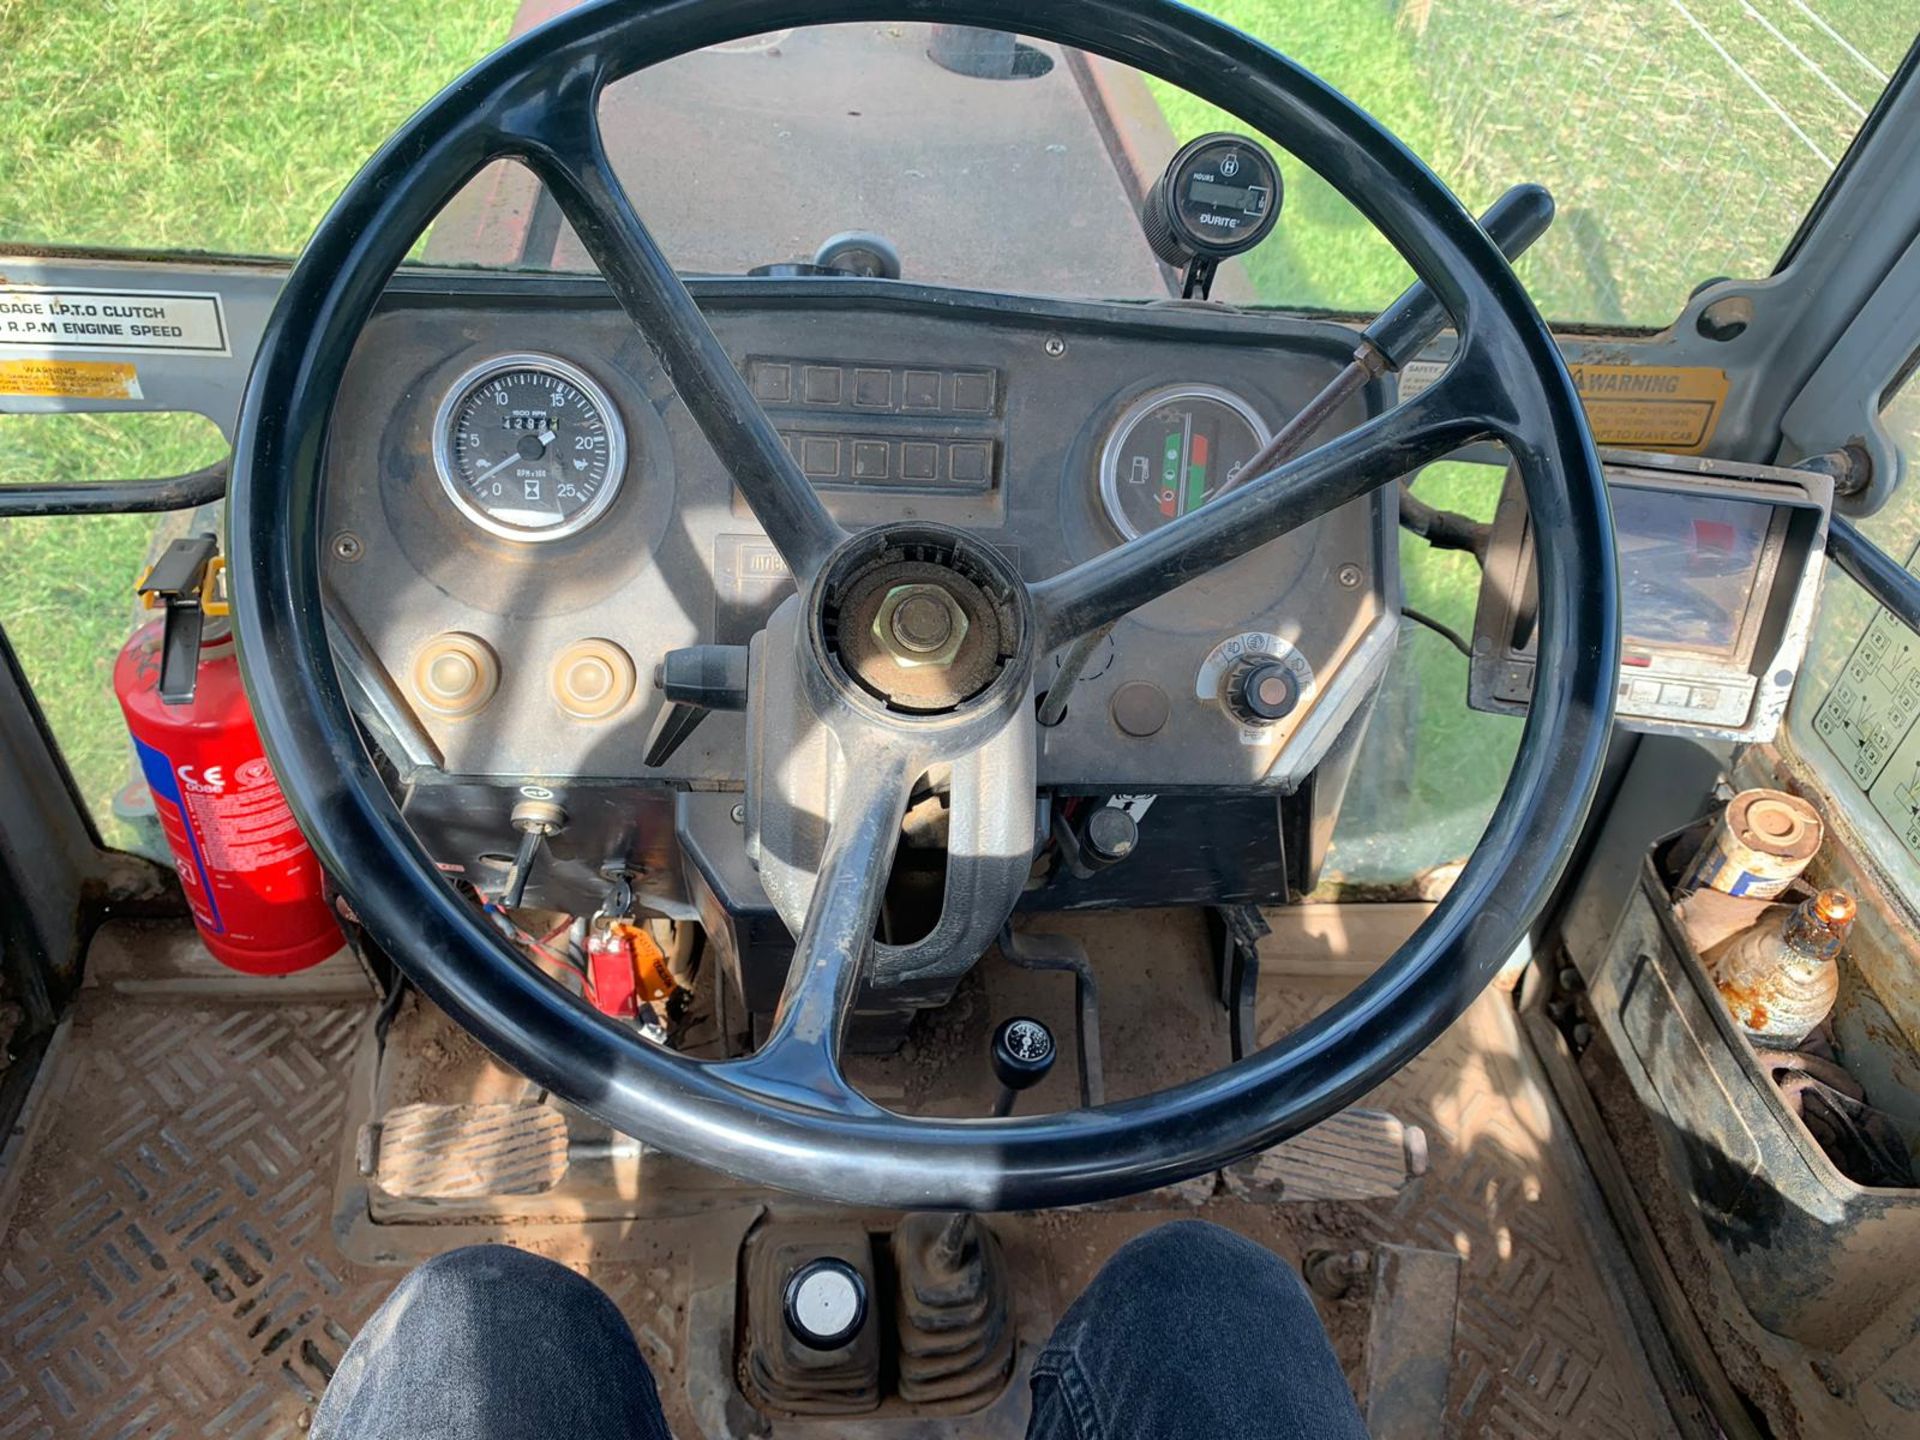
{"x": 70, "y": 379}
{"x": 1652, "y": 407}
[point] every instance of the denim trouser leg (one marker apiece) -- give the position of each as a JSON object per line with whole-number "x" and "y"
{"x": 488, "y": 1343}
{"x": 1188, "y": 1332}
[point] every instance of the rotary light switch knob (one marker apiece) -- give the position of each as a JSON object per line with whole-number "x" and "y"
{"x": 1261, "y": 691}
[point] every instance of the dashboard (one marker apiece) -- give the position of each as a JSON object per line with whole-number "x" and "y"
{"x": 522, "y": 519}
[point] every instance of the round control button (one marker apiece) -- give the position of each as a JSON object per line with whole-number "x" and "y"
{"x": 1141, "y": 709}
{"x": 1112, "y": 833}
{"x": 455, "y": 674}
{"x": 592, "y": 679}
{"x": 825, "y": 1303}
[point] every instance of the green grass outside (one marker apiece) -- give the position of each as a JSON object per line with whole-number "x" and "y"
{"x": 1667, "y": 166}
{"x": 173, "y": 124}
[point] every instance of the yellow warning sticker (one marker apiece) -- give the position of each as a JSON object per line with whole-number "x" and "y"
{"x": 70, "y": 379}
{"x": 1652, "y": 407}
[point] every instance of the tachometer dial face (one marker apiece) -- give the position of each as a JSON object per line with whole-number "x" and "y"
{"x": 1174, "y": 450}
{"x": 529, "y": 447}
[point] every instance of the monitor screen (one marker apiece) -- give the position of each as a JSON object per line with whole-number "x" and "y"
{"x": 1688, "y": 567}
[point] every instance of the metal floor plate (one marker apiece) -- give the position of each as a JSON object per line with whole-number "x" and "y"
{"x": 1543, "y": 1346}
{"x": 169, "y": 1267}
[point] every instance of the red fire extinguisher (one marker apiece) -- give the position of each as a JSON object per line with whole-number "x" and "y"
{"x": 252, "y": 881}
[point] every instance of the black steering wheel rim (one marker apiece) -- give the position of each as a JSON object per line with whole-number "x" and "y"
{"x": 446, "y": 947}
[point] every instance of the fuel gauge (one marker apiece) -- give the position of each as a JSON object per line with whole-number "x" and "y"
{"x": 1173, "y": 451}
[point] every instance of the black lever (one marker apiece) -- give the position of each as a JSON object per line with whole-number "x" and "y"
{"x": 1513, "y": 222}
{"x": 697, "y": 680}
{"x": 1023, "y": 1053}
{"x": 535, "y": 820}
{"x": 178, "y": 582}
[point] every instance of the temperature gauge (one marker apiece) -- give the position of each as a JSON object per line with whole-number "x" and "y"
{"x": 1174, "y": 450}
{"x": 529, "y": 447}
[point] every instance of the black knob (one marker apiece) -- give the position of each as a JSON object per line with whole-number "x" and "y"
{"x": 1112, "y": 833}
{"x": 1022, "y": 1055}
{"x": 825, "y": 1303}
{"x": 1262, "y": 691}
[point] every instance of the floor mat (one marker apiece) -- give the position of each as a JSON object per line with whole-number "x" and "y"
{"x": 169, "y": 1267}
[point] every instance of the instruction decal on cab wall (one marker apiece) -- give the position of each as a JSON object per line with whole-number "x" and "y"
{"x": 165, "y": 322}
{"x": 1650, "y": 407}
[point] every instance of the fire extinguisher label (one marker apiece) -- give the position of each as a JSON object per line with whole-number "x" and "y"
{"x": 188, "y": 860}
{"x": 242, "y": 819}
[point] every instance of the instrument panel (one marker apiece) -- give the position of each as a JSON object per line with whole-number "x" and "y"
{"x": 523, "y": 519}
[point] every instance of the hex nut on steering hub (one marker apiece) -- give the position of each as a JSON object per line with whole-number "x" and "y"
{"x": 920, "y": 625}
{"x": 917, "y": 622}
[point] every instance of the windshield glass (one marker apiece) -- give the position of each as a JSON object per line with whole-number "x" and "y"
{"x": 1684, "y": 139}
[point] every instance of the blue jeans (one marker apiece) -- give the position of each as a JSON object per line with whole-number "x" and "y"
{"x": 1189, "y": 1331}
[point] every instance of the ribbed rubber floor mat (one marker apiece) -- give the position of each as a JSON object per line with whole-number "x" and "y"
{"x": 453, "y": 1152}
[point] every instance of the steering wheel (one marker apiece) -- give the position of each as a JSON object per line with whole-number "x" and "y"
{"x": 785, "y": 1116}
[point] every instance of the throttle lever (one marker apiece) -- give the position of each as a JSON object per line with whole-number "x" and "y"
{"x": 1513, "y": 222}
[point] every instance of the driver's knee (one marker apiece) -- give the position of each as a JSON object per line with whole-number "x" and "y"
{"x": 1191, "y": 1329}
{"x": 1195, "y": 1273}
{"x": 486, "y": 1341}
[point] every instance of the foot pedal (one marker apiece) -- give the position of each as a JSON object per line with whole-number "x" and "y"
{"x": 1355, "y": 1155}
{"x": 465, "y": 1152}
{"x": 1416, "y": 1300}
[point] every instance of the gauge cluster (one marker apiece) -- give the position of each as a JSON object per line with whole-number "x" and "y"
{"x": 518, "y": 539}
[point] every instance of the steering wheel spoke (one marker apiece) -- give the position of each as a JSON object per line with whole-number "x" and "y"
{"x": 1097, "y": 592}
{"x": 572, "y": 161}
{"x": 800, "y": 1061}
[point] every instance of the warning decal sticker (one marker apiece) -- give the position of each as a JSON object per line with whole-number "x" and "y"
{"x": 1650, "y": 407}
{"x": 172, "y": 322}
{"x": 70, "y": 379}
{"x": 1666, "y": 407}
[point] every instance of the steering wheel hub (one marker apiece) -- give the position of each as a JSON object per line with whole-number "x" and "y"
{"x": 920, "y": 618}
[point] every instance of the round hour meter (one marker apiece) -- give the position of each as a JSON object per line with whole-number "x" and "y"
{"x": 1220, "y": 196}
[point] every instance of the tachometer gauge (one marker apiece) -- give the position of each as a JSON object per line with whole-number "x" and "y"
{"x": 1174, "y": 450}
{"x": 529, "y": 447}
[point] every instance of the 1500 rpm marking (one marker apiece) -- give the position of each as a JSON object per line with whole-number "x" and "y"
{"x": 529, "y": 447}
